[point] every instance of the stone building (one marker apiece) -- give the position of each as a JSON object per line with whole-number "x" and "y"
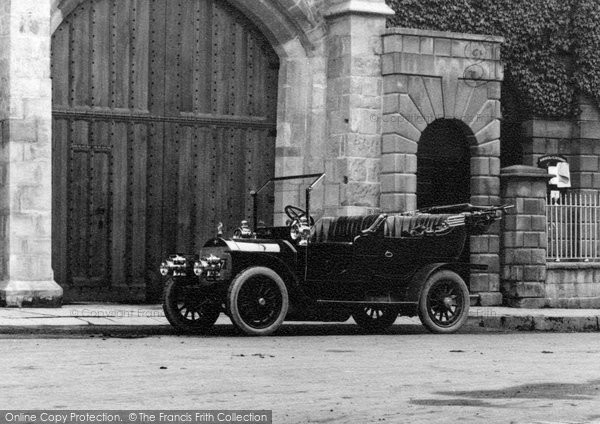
{"x": 130, "y": 128}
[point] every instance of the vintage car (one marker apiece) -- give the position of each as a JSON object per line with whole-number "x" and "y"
{"x": 371, "y": 267}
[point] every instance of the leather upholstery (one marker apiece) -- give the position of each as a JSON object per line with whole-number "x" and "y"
{"x": 340, "y": 229}
{"x": 402, "y": 226}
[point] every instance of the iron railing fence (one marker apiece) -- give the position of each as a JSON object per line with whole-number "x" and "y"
{"x": 573, "y": 227}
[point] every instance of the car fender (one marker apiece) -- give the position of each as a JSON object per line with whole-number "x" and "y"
{"x": 244, "y": 260}
{"x": 413, "y": 289}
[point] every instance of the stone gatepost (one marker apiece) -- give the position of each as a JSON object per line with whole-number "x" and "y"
{"x": 354, "y": 104}
{"x": 524, "y": 237}
{"x": 25, "y": 178}
{"x": 430, "y": 76}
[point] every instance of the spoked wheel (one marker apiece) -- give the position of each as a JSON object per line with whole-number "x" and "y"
{"x": 188, "y": 309}
{"x": 257, "y": 301}
{"x": 375, "y": 317}
{"x": 444, "y": 302}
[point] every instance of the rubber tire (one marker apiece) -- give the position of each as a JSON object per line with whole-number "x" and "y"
{"x": 365, "y": 322}
{"x": 234, "y": 291}
{"x": 422, "y": 308}
{"x": 181, "y": 324}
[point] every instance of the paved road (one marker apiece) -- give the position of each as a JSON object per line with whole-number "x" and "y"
{"x": 322, "y": 374}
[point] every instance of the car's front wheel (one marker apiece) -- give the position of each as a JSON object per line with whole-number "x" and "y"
{"x": 444, "y": 302}
{"x": 374, "y": 317}
{"x": 257, "y": 301}
{"x": 189, "y": 309}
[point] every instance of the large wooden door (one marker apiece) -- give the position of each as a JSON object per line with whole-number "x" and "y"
{"x": 164, "y": 120}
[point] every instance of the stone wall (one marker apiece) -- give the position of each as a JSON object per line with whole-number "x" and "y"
{"x": 430, "y": 75}
{"x": 578, "y": 141}
{"x": 25, "y": 183}
{"x": 572, "y": 285}
{"x": 524, "y": 237}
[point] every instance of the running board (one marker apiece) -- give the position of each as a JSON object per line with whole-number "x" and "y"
{"x": 366, "y": 302}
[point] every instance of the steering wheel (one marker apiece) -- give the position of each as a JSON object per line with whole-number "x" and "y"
{"x": 295, "y": 213}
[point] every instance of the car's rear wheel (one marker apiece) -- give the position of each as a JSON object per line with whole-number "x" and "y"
{"x": 444, "y": 302}
{"x": 375, "y": 317}
{"x": 257, "y": 301}
{"x": 189, "y": 309}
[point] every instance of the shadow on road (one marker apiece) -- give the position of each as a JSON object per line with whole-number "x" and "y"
{"x": 482, "y": 398}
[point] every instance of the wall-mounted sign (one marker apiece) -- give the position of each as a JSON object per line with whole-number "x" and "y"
{"x": 559, "y": 167}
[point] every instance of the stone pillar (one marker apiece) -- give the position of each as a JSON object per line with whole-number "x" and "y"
{"x": 431, "y": 75}
{"x": 524, "y": 237}
{"x": 25, "y": 177}
{"x": 354, "y": 104}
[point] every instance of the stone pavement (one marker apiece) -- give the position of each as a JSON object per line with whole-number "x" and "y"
{"x": 149, "y": 319}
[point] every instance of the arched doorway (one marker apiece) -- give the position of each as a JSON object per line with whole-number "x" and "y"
{"x": 164, "y": 119}
{"x": 443, "y": 164}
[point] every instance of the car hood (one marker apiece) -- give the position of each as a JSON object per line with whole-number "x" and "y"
{"x": 250, "y": 245}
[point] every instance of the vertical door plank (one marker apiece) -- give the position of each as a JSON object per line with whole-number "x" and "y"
{"x": 271, "y": 90}
{"x": 80, "y": 53}
{"x": 155, "y": 252}
{"x": 238, "y": 192}
{"x": 219, "y": 53}
{"x": 241, "y": 47}
{"x": 187, "y": 56}
{"x": 203, "y": 56}
{"x": 173, "y": 58}
{"x": 261, "y": 155}
{"x": 259, "y": 85}
{"x": 196, "y": 164}
{"x": 155, "y": 244}
{"x": 250, "y": 182}
{"x": 140, "y": 58}
{"x": 229, "y": 72}
{"x": 61, "y": 59}
{"x": 185, "y": 189}
{"x": 121, "y": 41}
{"x": 170, "y": 187}
{"x": 60, "y": 204}
{"x": 251, "y": 54}
{"x": 79, "y": 201}
{"x": 100, "y": 53}
{"x": 140, "y": 166}
{"x": 205, "y": 219}
{"x": 99, "y": 220}
{"x": 221, "y": 180}
{"x": 157, "y": 59}
{"x": 78, "y": 219}
{"x": 118, "y": 133}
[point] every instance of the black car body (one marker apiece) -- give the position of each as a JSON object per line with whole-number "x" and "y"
{"x": 371, "y": 267}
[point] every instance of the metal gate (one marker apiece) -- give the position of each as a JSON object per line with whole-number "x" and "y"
{"x": 164, "y": 119}
{"x": 574, "y": 227}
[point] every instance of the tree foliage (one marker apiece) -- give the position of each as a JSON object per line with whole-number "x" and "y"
{"x": 551, "y": 52}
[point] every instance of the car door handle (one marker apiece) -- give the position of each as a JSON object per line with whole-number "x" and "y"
{"x": 388, "y": 254}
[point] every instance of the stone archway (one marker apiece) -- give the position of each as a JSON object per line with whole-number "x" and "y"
{"x": 294, "y": 35}
{"x": 431, "y": 75}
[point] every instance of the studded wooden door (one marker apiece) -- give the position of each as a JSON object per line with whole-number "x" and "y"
{"x": 164, "y": 120}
